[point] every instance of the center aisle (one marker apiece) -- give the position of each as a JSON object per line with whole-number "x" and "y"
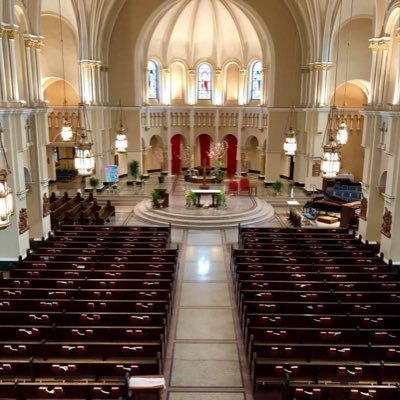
{"x": 205, "y": 347}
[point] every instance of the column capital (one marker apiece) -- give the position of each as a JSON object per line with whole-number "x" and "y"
{"x": 320, "y": 66}
{"x": 10, "y": 34}
{"x": 374, "y": 44}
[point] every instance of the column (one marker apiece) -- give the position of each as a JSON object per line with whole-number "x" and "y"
{"x": 264, "y": 98}
{"x": 304, "y": 71}
{"x": 369, "y": 228}
{"x": 3, "y": 80}
{"x": 12, "y": 78}
{"x": 191, "y": 89}
{"x": 167, "y": 145}
{"x": 218, "y": 92}
{"x": 396, "y": 92}
{"x": 145, "y": 88}
{"x": 166, "y": 84}
{"x": 323, "y": 87}
{"x": 38, "y": 73}
{"x": 384, "y": 47}
{"x": 239, "y": 142}
{"x": 29, "y": 43}
{"x": 373, "y": 45}
{"x": 243, "y": 80}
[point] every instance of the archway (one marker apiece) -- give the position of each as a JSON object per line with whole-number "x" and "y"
{"x": 204, "y": 144}
{"x": 231, "y": 155}
{"x": 176, "y": 144}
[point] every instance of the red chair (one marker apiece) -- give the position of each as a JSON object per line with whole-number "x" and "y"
{"x": 244, "y": 185}
{"x": 233, "y": 187}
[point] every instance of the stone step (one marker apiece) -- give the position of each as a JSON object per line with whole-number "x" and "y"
{"x": 261, "y": 212}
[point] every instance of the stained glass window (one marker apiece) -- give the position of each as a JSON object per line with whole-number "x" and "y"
{"x": 152, "y": 80}
{"x": 256, "y": 80}
{"x": 204, "y": 82}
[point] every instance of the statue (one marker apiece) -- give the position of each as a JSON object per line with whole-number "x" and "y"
{"x": 363, "y": 208}
{"x": 23, "y": 221}
{"x": 46, "y": 205}
{"x": 386, "y": 223}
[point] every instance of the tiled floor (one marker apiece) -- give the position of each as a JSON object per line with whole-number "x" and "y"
{"x": 205, "y": 359}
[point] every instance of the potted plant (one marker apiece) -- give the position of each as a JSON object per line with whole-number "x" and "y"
{"x": 133, "y": 168}
{"x": 93, "y": 182}
{"x": 155, "y": 198}
{"x": 190, "y": 198}
{"x": 277, "y": 187}
{"x": 220, "y": 199}
{"x": 219, "y": 175}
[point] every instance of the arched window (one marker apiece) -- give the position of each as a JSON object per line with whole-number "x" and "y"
{"x": 152, "y": 80}
{"x": 256, "y": 81}
{"x": 204, "y": 81}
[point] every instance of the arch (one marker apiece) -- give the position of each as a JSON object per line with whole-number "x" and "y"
{"x": 232, "y": 84}
{"x": 178, "y": 82}
{"x": 153, "y": 80}
{"x": 204, "y": 79}
{"x": 352, "y": 94}
{"x": 142, "y": 49}
{"x": 156, "y": 156}
{"x": 231, "y": 154}
{"x": 53, "y": 91}
{"x": 204, "y": 141}
{"x": 255, "y": 80}
{"x": 176, "y": 148}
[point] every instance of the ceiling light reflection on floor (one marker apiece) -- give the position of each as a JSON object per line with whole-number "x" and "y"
{"x": 203, "y": 267}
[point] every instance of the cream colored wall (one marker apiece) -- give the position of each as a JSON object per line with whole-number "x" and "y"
{"x": 51, "y": 54}
{"x": 354, "y": 61}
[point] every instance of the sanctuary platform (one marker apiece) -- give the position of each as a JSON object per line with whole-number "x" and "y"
{"x": 243, "y": 209}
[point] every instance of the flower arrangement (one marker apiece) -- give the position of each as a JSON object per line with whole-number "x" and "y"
{"x": 190, "y": 198}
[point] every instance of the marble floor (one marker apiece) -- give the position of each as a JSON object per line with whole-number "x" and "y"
{"x": 205, "y": 358}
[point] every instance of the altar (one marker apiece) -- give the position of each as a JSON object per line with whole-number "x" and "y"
{"x": 206, "y": 192}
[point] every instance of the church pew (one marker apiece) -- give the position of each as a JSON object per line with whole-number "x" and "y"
{"x": 82, "y": 332}
{"x": 88, "y": 294}
{"x": 90, "y": 273}
{"x": 79, "y": 368}
{"x": 317, "y": 296}
{"x": 350, "y": 286}
{"x": 63, "y": 350}
{"x": 314, "y": 320}
{"x": 73, "y": 390}
{"x": 116, "y": 228}
{"x": 39, "y": 318}
{"x": 92, "y": 283}
{"x": 38, "y": 305}
{"x": 94, "y": 266}
{"x": 347, "y": 268}
{"x": 310, "y": 352}
{"x": 333, "y": 335}
{"x": 304, "y": 307}
{"x": 336, "y": 391}
{"x": 342, "y": 372}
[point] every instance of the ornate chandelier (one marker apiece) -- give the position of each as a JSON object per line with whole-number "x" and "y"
{"x": 66, "y": 130}
{"x": 330, "y": 165}
{"x": 290, "y": 143}
{"x": 6, "y": 199}
{"x": 217, "y": 150}
{"x": 121, "y": 142}
{"x": 84, "y": 158}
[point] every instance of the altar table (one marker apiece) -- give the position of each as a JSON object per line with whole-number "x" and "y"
{"x": 212, "y": 192}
